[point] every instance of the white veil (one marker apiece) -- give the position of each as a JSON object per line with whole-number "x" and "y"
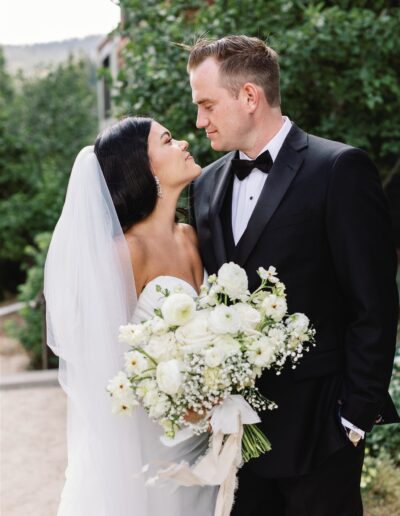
{"x": 89, "y": 290}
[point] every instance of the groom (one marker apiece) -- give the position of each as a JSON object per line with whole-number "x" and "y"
{"x": 314, "y": 209}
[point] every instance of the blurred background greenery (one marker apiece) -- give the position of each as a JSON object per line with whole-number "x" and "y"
{"x": 340, "y": 65}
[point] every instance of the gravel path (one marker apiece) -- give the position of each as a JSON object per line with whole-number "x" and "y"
{"x": 33, "y": 450}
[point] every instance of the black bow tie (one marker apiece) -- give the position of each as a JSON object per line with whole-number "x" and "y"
{"x": 243, "y": 167}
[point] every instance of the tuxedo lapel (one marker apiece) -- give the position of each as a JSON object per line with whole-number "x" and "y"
{"x": 279, "y": 179}
{"x": 217, "y": 198}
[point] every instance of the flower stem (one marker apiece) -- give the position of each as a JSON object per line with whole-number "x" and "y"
{"x": 254, "y": 443}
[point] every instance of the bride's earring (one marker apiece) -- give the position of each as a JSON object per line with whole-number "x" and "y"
{"x": 158, "y": 185}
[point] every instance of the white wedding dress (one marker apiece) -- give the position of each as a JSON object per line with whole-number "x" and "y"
{"x": 90, "y": 292}
{"x": 170, "y": 500}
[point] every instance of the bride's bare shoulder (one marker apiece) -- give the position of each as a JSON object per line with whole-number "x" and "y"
{"x": 189, "y": 232}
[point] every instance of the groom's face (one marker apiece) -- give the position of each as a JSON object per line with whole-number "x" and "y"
{"x": 223, "y": 116}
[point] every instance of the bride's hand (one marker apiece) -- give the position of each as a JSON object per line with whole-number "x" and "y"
{"x": 193, "y": 417}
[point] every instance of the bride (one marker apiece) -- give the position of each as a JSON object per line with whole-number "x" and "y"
{"x": 117, "y": 240}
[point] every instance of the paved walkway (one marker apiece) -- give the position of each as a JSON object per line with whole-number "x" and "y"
{"x": 33, "y": 450}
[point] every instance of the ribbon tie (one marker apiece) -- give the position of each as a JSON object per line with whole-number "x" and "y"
{"x": 243, "y": 167}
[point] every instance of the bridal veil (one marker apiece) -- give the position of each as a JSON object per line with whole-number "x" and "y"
{"x": 89, "y": 291}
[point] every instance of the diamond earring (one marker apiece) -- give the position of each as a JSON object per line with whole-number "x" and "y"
{"x": 158, "y": 185}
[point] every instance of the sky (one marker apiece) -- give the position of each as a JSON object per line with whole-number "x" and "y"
{"x": 39, "y": 21}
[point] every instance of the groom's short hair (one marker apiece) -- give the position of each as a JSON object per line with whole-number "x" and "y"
{"x": 242, "y": 59}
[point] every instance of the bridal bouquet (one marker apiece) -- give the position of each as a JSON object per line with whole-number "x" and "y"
{"x": 201, "y": 355}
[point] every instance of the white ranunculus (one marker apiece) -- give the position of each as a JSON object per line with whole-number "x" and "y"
{"x": 169, "y": 377}
{"x": 298, "y": 322}
{"x": 160, "y": 407}
{"x": 249, "y": 316}
{"x": 133, "y": 334}
{"x": 261, "y": 352}
{"x": 223, "y": 319}
{"x": 195, "y": 335}
{"x": 135, "y": 362}
{"x": 274, "y": 307}
{"x": 213, "y": 357}
{"x": 178, "y": 309}
{"x": 161, "y": 347}
{"x": 233, "y": 280}
{"x": 227, "y": 344}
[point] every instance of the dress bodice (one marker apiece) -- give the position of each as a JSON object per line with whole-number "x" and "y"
{"x": 150, "y": 299}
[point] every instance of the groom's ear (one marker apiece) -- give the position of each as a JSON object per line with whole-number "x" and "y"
{"x": 250, "y": 95}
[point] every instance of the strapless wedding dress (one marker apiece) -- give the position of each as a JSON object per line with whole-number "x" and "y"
{"x": 170, "y": 499}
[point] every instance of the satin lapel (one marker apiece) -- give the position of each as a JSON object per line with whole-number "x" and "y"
{"x": 217, "y": 198}
{"x": 279, "y": 179}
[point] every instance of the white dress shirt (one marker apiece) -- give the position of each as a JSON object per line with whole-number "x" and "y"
{"x": 245, "y": 193}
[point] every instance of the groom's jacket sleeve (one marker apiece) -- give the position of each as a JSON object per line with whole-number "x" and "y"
{"x": 359, "y": 234}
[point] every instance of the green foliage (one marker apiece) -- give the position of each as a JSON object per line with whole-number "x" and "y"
{"x": 44, "y": 121}
{"x": 340, "y": 65}
{"x": 31, "y": 332}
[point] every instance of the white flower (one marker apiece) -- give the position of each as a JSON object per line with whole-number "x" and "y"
{"x": 157, "y": 325}
{"x": 277, "y": 337}
{"x": 195, "y": 335}
{"x": 213, "y": 357}
{"x": 168, "y": 426}
{"x": 223, "y": 319}
{"x": 160, "y": 407}
{"x": 274, "y": 307}
{"x": 161, "y": 347}
{"x": 298, "y": 322}
{"x": 119, "y": 386}
{"x": 135, "y": 362}
{"x": 148, "y": 388}
{"x": 261, "y": 352}
{"x": 249, "y": 317}
{"x": 227, "y": 344}
{"x": 211, "y": 377}
{"x": 169, "y": 377}
{"x": 123, "y": 406}
{"x": 178, "y": 309}
{"x": 123, "y": 399}
{"x": 269, "y": 275}
{"x": 233, "y": 280}
{"x": 133, "y": 334}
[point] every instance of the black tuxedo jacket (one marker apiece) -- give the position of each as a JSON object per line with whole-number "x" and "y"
{"x": 323, "y": 222}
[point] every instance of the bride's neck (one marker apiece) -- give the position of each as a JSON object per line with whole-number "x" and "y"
{"x": 162, "y": 219}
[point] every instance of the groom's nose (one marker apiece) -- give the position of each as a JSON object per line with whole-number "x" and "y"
{"x": 201, "y": 121}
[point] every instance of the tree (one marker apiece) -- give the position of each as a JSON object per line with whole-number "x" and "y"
{"x": 340, "y": 65}
{"x": 43, "y": 124}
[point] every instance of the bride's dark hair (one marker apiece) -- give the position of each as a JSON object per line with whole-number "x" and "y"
{"x": 122, "y": 151}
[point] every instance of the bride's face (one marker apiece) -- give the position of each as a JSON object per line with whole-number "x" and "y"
{"x": 169, "y": 158}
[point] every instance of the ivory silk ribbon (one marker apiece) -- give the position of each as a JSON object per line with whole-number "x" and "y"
{"x": 220, "y": 464}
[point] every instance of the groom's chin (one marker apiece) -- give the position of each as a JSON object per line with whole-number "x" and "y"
{"x": 218, "y": 146}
